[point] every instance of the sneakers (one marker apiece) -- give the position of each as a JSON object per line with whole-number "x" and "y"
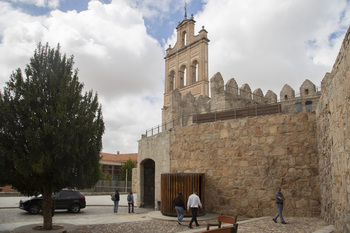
{"x": 284, "y": 223}
{"x": 197, "y": 225}
{"x": 190, "y": 227}
{"x": 178, "y": 221}
{"x": 274, "y": 220}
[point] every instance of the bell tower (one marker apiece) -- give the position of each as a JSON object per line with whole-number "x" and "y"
{"x": 186, "y": 64}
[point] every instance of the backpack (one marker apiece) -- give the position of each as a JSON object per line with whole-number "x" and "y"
{"x": 113, "y": 197}
{"x": 129, "y": 198}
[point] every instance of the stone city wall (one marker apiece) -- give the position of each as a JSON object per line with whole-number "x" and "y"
{"x": 244, "y": 160}
{"x": 333, "y": 131}
{"x": 156, "y": 148}
{"x": 229, "y": 96}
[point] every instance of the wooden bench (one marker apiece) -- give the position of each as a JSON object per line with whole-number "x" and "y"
{"x": 225, "y": 219}
{"x": 222, "y": 230}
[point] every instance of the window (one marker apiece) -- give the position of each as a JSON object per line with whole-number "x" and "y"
{"x": 64, "y": 194}
{"x": 306, "y": 91}
{"x": 285, "y": 97}
{"x": 171, "y": 80}
{"x": 184, "y": 39}
{"x": 308, "y": 105}
{"x": 185, "y": 77}
{"x": 183, "y": 74}
{"x": 298, "y": 107}
{"x": 112, "y": 170}
{"x": 194, "y": 72}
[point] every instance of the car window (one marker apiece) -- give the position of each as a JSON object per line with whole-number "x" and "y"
{"x": 64, "y": 194}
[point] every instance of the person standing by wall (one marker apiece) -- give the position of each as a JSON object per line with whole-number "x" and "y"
{"x": 279, "y": 204}
{"x": 130, "y": 199}
{"x": 180, "y": 207}
{"x": 194, "y": 203}
{"x": 116, "y": 201}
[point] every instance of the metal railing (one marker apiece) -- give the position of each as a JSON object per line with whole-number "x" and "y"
{"x": 111, "y": 186}
{"x": 257, "y": 110}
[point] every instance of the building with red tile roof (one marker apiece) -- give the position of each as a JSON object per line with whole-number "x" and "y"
{"x": 107, "y": 158}
{"x": 111, "y": 163}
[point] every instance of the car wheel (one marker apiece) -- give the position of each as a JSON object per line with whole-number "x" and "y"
{"x": 34, "y": 209}
{"x": 75, "y": 208}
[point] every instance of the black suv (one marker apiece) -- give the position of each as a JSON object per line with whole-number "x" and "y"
{"x": 72, "y": 200}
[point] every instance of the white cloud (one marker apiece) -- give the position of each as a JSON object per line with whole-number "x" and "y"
{"x": 263, "y": 43}
{"x": 127, "y": 118}
{"x": 19, "y": 37}
{"x": 115, "y": 57}
{"x": 270, "y": 43}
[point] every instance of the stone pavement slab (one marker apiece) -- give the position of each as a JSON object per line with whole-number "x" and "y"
{"x": 78, "y": 220}
{"x": 96, "y": 200}
{"x": 256, "y": 225}
{"x": 264, "y": 224}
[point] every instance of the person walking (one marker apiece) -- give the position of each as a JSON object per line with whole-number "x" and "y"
{"x": 130, "y": 199}
{"x": 180, "y": 207}
{"x": 194, "y": 203}
{"x": 116, "y": 201}
{"x": 279, "y": 204}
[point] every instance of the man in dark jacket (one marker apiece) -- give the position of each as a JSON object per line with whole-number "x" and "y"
{"x": 279, "y": 204}
{"x": 180, "y": 207}
{"x": 116, "y": 201}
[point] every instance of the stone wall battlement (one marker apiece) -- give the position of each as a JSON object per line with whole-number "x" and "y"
{"x": 230, "y": 96}
{"x": 342, "y": 53}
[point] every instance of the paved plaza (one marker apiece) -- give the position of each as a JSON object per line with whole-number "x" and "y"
{"x": 148, "y": 220}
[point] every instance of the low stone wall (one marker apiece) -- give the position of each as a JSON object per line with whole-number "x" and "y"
{"x": 244, "y": 160}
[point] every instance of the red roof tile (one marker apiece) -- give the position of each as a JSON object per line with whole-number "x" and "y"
{"x": 120, "y": 158}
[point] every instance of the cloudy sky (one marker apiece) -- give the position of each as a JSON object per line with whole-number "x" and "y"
{"x": 119, "y": 47}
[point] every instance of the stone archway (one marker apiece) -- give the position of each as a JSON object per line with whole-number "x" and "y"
{"x": 148, "y": 177}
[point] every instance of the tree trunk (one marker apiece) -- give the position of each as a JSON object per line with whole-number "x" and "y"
{"x": 47, "y": 208}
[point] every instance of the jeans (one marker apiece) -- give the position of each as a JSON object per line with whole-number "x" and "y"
{"x": 131, "y": 204}
{"x": 116, "y": 206}
{"x": 180, "y": 213}
{"x": 194, "y": 216}
{"x": 279, "y": 212}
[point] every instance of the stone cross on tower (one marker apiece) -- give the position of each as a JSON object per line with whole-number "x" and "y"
{"x": 186, "y": 10}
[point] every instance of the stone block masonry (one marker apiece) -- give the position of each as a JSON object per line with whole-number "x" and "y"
{"x": 333, "y": 135}
{"x": 244, "y": 160}
{"x": 305, "y": 150}
{"x": 157, "y": 149}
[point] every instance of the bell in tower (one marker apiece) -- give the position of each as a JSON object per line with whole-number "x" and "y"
{"x": 186, "y": 64}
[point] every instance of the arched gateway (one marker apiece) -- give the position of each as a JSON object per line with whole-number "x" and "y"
{"x": 147, "y": 183}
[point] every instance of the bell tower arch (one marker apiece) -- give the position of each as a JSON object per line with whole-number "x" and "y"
{"x": 186, "y": 64}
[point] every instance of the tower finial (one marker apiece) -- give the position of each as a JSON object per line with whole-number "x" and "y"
{"x": 186, "y": 10}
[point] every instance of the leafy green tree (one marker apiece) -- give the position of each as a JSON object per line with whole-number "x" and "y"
{"x": 107, "y": 177}
{"x": 50, "y": 133}
{"x": 128, "y": 165}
